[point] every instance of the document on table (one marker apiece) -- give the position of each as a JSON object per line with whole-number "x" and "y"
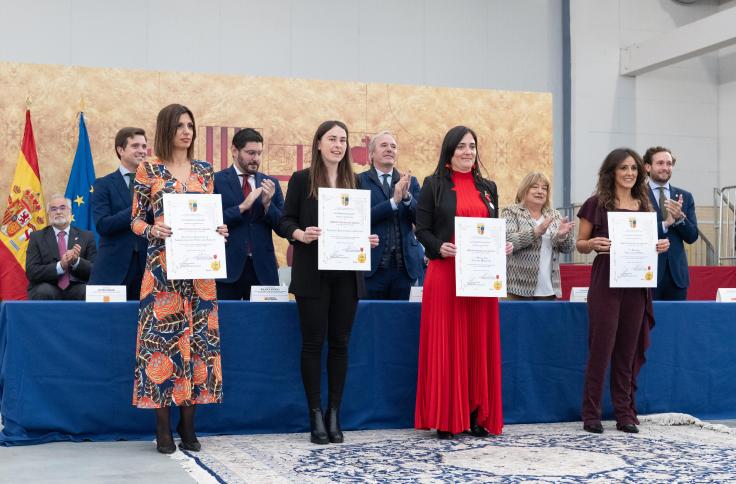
{"x": 480, "y": 263}
{"x": 195, "y": 250}
{"x": 633, "y": 238}
{"x": 344, "y": 216}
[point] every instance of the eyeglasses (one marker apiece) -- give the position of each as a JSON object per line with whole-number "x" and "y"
{"x": 60, "y": 208}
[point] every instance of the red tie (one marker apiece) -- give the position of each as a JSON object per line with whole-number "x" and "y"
{"x": 246, "y": 186}
{"x": 64, "y": 278}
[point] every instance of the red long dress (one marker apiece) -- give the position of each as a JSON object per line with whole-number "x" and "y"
{"x": 459, "y": 343}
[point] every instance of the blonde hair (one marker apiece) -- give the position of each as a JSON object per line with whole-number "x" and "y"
{"x": 528, "y": 181}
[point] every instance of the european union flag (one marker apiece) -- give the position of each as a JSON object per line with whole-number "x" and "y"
{"x": 81, "y": 179}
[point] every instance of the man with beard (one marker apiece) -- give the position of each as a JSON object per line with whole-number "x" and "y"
{"x": 396, "y": 261}
{"x": 122, "y": 255}
{"x": 60, "y": 257}
{"x": 251, "y": 203}
{"x": 675, "y": 220}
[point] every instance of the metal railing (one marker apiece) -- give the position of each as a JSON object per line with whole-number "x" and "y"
{"x": 701, "y": 253}
{"x": 725, "y": 224}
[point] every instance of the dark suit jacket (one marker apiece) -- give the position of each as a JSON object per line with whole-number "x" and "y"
{"x": 300, "y": 212}
{"x": 687, "y": 231}
{"x": 382, "y": 219}
{"x": 252, "y": 226}
{"x": 111, "y": 210}
{"x": 43, "y": 254}
{"x": 436, "y": 211}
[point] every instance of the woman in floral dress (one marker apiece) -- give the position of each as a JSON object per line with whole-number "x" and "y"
{"x": 178, "y": 345}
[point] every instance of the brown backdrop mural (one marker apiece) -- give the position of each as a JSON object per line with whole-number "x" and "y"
{"x": 514, "y": 128}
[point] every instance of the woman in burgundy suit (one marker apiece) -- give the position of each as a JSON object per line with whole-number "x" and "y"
{"x": 619, "y": 318}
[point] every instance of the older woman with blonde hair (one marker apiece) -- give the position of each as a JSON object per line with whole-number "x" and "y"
{"x": 538, "y": 233}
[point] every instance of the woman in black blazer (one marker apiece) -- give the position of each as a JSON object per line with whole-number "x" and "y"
{"x": 459, "y": 377}
{"x": 326, "y": 300}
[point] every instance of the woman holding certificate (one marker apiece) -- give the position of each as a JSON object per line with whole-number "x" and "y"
{"x": 178, "y": 346}
{"x": 326, "y": 299}
{"x": 619, "y": 318}
{"x": 459, "y": 380}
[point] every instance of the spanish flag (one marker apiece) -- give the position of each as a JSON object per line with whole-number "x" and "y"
{"x": 25, "y": 213}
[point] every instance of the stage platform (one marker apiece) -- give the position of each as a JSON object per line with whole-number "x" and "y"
{"x": 66, "y": 368}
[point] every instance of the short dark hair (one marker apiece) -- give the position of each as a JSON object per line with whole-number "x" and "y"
{"x": 245, "y": 136}
{"x": 647, "y": 159}
{"x": 121, "y": 139}
{"x": 168, "y": 119}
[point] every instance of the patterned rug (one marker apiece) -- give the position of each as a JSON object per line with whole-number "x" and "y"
{"x": 670, "y": 448}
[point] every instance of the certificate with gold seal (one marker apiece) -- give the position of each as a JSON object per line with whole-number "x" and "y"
{"x": 480, "y": 263}
{"x": 633, "y": 238}
{"x": 195, "y": 250}
{"x": 344, "y": 216}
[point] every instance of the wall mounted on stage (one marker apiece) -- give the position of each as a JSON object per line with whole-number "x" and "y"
{"x": 514, "y": 128}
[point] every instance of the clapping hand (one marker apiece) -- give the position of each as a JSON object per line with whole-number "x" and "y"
{"x": 565, "y": 228}
{"x": 401, "y": 189}
{"x": 70, "y": 257}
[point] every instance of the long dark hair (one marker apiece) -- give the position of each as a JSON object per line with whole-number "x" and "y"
{"x": 168, "y": 119}
{"x": 606, "y": 187}
{"x": 443, "y": 171}
{"x": 318, "y": 173}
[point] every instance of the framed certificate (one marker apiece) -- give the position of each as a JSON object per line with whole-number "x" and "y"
{"x": 480, "y": 263}
{"x": 345, "y": 219}
{"x": 633, "y": 238}
{"x": 195, "y": 250}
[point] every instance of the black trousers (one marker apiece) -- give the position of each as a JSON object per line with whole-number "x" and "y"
{"x": 331, "y": 314}
{"x": 667, "y": 290}
{"x": 239, "y": 289}
{"x": 133, "y": 278}
{"x": 389, "y": 283}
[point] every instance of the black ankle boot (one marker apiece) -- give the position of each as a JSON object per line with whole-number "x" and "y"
{"x": 475, "y": 429}
{"x": 332, "y": 422}
{"x": 318, "y": 433}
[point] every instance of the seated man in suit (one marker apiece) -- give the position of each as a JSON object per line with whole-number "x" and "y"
{"x": 395, "y": 262}
{"x": 122, "y": 255}
{"x": 60, "y": 257}
{"x": 251, "y": 203}
{"x": 675, "y": 221}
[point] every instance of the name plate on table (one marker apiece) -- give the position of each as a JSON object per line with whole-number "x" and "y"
{"x": 579, "y": 294}
{"x": 269, "y": 294}
{"x": 105, "y": 294}
{"x": 726, "y": 294}
{"x": 415, "y": 294}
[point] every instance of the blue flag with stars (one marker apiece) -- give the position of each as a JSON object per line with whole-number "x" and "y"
{"x": 81, "y": 179}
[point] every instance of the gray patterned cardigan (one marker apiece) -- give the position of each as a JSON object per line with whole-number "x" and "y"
{"x": 523, "y": 263}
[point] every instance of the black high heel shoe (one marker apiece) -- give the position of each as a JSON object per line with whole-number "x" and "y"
{"x": 444, "y": 435}
{"x": 332, "y": 422}
{"x": 318, "y": 434}
{"x": 192, "y": 444}
{"x": 475, "y": 429}
{"x": 165, "y": 446}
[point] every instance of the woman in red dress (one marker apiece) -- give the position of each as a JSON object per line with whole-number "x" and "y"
{"x": 459, "y": 381}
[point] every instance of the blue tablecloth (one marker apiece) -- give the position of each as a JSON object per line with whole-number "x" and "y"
{"x": 66, "y": 368}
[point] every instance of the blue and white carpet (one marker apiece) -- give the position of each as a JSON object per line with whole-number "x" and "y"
{"x": 677, "y": 448}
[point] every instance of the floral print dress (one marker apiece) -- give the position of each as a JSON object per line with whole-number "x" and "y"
{"x": 178, "y": 343}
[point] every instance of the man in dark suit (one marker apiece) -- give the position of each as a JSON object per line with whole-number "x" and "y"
{"x": 122, "y": 255}
{"x": 395, "y": 262}
{"x": 60, "y": 257}
{"x": 675, "y": 221}
{"x": 251, "y": 203}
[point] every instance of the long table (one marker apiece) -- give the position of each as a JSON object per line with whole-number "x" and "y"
{"x": 66, "y": 368}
